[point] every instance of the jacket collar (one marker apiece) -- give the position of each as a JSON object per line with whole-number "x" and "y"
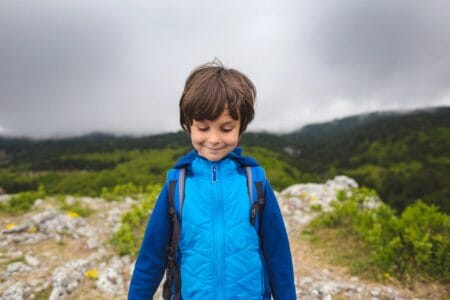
{"x": 236, "y": 155}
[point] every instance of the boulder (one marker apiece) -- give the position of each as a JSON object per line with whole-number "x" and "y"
{"x": 14, "y": 292}
{"x": 110, "y": 279}
{"x": 66, "y": 278}
{"x": 17, "y": 267}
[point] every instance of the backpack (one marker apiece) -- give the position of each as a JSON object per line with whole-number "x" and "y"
{"x": 256, "y": 180}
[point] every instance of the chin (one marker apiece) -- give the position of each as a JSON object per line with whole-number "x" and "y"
{"x": 213, "y": 157}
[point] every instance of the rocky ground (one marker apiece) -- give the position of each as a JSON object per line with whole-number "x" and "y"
{"x": 51, "y": 254}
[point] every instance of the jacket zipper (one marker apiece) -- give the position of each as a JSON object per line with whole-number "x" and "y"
{"x": 214, "y": 173}
{"x": 218, "y": 234}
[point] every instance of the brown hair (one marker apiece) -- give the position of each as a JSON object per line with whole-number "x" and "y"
{"x": 211, "y": 88}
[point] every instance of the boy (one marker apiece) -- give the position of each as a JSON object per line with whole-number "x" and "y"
{"x": 220, "y": 253}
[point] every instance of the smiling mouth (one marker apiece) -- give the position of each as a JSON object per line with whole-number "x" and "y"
{"x": 214, "y": 149}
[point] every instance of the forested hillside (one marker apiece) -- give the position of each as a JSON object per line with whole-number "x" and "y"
{"x": 403, "y": 156}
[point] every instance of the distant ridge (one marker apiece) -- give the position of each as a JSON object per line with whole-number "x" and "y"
{"x": 345, "y": 124}
{"x": 313, "y": 128}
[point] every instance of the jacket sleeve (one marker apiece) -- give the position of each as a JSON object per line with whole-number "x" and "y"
{"x": 275, "y": 246}
{"x": 151, "y": 260}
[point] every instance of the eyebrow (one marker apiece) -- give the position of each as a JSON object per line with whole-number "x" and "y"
{"x": 229, "y": 122}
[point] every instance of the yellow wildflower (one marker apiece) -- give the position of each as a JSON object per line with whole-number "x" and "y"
{"x": 91, "y": 273}
{"x": 10, "y": 226}
{"x": 72, "y": 214}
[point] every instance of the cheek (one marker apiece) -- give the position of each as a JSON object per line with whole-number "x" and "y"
{"x": 232, "y": 139}
{"x": 196, "y": 138}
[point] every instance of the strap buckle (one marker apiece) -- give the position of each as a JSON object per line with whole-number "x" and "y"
{"x": 253, "y": 215}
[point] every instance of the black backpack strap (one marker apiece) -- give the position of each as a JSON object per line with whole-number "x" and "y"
{"x": 258, "y": 206}
{"x": 256, "y": 176}
{"x": 173, "y": 277}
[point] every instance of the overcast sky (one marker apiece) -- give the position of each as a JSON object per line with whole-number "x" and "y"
{"x": 73, "y": 67}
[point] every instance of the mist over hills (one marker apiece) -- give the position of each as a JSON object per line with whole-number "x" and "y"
{"x": 314, "y": 130}
{"x": 403, "y": 155}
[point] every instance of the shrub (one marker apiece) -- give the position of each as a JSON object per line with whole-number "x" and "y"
{"x": 119, "y": 192}
{"x": 23, "y": 202}
{"x": 415, "y": 243}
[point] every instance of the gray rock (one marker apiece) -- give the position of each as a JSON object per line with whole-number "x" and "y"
{"x": 17, "y": 267}
{"x": 116, "y": 263}
{"x": 14, "y": 292}
{"x": 342, "y": 182}
{"x": 110, "y": 278}
{"x": 93, "y": 243}
{"x": 86, "y": 231}
{"x": 114, "y": 216}
{"x": 70, "y": 200}
{"x": 4, "y": 244}
{"x": 31, "y": 260}
{"x": 129, "y": 200}
{"x": 97, "y": 255}
{"x": 62, "y": 224}
{"x": 329, "y": 288}
{"x": 319, "y": 287}
{"x": 16, "y": 229}
{"x": 94, "y": 203}
{"x": 38, "y": 203}
{"x": 66, "y": 278}
{"x": 35, "y": 282}
{"x": 315, "y": 292}
{"x": 34, "y": 238}
{"x": 43, "y": 216}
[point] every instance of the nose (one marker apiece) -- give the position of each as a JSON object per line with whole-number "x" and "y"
{"x": 213, "y": 138}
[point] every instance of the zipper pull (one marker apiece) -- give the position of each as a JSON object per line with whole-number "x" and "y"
{"x": 214, "y": 173}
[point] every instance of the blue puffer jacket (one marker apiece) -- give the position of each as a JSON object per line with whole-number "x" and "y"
{"x": 220, "y": 253}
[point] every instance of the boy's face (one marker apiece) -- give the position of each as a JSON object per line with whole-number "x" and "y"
{"x": 215, "y": 139}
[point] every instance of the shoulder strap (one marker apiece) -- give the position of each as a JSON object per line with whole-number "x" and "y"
{"x": 173, "y": 277}
{"x": 256, "y": 180}
{"x": 177, "y": 175}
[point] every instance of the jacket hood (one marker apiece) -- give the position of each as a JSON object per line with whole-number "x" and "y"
{"x": 236, "y": 154}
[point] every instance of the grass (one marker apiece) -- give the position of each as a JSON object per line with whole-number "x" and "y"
{"x": 44, "y": 294}
{"x": 12, "y": 260}
{"x": 339, "y": 248}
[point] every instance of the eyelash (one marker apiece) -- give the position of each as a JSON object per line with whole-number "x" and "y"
{"x": 223, "y": 129}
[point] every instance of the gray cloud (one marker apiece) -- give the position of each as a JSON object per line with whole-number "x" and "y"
{"x": 73, "y": 68}
{"x": 393, "y": 50}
